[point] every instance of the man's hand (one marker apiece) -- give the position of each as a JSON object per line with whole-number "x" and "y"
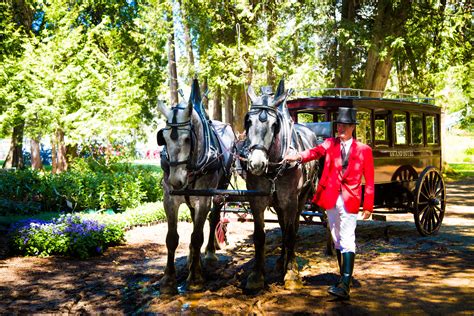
{"x": 292, "y": 158}
{"x": 366, "y": 214}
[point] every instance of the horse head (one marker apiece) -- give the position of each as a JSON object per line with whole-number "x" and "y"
{"x": 178, "y": 136}
{"x": 263, "y": 123}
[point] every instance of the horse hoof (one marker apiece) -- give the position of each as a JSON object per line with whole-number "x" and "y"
{"x": 255, "y": 282}
{"x": 211, "y": 257}
{"x": 293, "y": 281}
{"x": 194, "y": 284}
{"x": 168, "y": 285}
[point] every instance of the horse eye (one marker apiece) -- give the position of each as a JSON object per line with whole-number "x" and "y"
{"x": 187, "y": 140}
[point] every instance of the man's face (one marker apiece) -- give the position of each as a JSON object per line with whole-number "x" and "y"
{"x": 344, "y": 131}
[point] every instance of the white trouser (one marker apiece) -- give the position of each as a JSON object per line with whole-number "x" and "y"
{"x": 342, "y": 225}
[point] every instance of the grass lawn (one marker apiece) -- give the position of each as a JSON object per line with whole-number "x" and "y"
{"x": 459, "y": 171}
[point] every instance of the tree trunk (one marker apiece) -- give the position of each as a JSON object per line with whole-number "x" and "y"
{"x": 59, "y": 148}
{"x": 389, "y": 23}
{"x": 173, "y": 73}
{"x": 187, "y": 41}
{"x": 14, "y": 157}
{"x": 36, "y": 162}
{"x": 217, "y": 109}
{"x": 229, "y": 107}
{"x": 345, "y": 56}
{"x": 270, "y": 58}
{"x": 54, "y": 160}
{"x": 240, "y": 109}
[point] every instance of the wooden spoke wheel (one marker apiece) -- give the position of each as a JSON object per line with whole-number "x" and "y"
{"x": 403, "y": 197}
{"x": 430, "y": 201}
{"x": 405, "y": 173}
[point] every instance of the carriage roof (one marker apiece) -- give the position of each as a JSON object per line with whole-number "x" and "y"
{"x": 309, "y": 99}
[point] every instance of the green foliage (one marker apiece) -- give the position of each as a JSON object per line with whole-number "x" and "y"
{"x": 67, "y": 235}
{"x": 90, "y": 184}
{"x": 83, "y": 234}
{"x": 459, "y": 171}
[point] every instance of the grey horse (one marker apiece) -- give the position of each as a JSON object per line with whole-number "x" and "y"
{"x": 271, "y": 134}
{"x": 197, "y": 156}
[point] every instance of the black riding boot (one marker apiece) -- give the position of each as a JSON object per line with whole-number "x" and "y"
{"x": 343, "y": 288}
{"x": 339, "y": 260}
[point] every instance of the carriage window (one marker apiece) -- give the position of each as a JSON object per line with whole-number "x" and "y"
{"x": 416, "y": 129}
{"x": 400, "y": 120}
{"x": 432, "y": 135}
{"x": 305, "y": 117}
{"x": 320, "y": 117}
{"x": 311, "y": 117}
{"x": 363, "y": 130}
{"x": 381, "y": 128}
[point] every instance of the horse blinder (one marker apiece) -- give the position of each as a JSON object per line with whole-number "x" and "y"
{"x": 160, "y": 138}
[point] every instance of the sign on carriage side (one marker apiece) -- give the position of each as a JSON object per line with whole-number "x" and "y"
{"x": 402, "y": 153}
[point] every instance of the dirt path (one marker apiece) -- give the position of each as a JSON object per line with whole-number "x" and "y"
{"x": 397, "y": 271}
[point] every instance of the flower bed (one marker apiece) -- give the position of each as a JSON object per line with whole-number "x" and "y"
{"x": 82, "y": 234}
{"x": 66, "y": 235}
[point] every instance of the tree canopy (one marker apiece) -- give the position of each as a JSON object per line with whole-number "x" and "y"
{"x": 82, "y": 71}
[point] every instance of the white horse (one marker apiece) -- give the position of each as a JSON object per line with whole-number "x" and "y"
{"x": 271, "y": 134}
{"x": 196, "y": 157}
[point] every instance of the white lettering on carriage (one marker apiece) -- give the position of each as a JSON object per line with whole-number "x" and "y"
{"x": 400, "y": 153}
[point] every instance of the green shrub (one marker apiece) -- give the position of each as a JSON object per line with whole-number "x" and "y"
{"x": 83, "y": 234}
{"x": 67, "y": 235}
{"x": 89, "y": 184}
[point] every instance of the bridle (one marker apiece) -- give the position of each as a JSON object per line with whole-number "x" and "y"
{"x": 263, "y": 116}
{"x": 174, "y": 127}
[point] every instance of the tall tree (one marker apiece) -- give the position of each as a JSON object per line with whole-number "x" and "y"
{"x": 389, "y": 24}
{"x": 172, "y": 70}
{"x": 17, "y": 14}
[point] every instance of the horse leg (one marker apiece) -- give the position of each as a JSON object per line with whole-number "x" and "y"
{"x": 214, "y": 219}
{"x": 168, "y": 283}
{"x": 195, "y": 279}
{"x": 279, "y": 266}
{"x": 256, "y": 280}
{"x": 292, "y": 278}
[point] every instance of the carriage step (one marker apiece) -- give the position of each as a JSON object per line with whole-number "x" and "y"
{"x": 227, "y": 193}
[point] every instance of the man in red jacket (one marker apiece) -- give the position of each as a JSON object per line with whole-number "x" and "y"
{"x": 340, "y": 191}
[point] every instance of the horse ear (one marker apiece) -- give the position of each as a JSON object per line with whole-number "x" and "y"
{"x": 163, "y": 108}
{"x": 253, "y": 97}
{"x": 190, "y": 108}
{"x": 195, "y": 96}
{"x": 281, "y": 88}
{"x": 282, "y": 97}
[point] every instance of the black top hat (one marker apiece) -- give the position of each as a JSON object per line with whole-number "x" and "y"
{"x": 346, "y": 116}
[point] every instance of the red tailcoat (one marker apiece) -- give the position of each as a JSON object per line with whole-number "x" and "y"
{"x": 333, "y": 182}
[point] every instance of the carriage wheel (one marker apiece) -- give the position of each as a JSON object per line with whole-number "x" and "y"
{"x": 403, "y": 196}
{"x": 404, "y": 173}
{"x": 430, "y": 201}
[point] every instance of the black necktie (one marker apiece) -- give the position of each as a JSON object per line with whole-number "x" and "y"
{"x": 344, "y": 157}
{"x": 343, "y": 152}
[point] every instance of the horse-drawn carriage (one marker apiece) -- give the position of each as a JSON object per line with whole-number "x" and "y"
{"x": 404, "y": 136}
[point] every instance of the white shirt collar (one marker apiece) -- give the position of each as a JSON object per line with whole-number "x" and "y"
{"x": 347, "y": 143}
